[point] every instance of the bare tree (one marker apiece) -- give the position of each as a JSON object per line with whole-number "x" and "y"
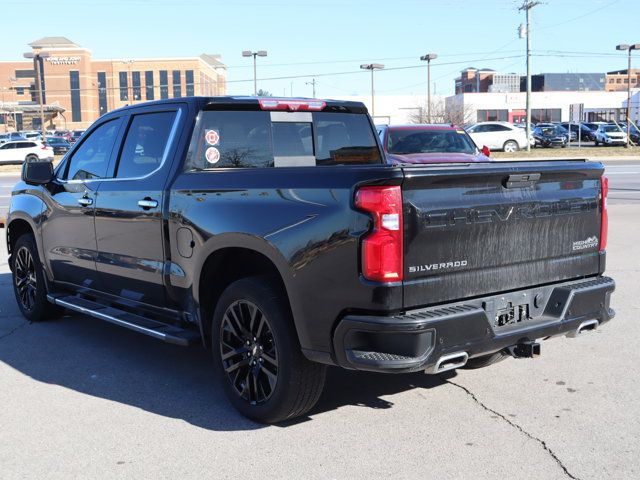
{"x": 442, "y": 113}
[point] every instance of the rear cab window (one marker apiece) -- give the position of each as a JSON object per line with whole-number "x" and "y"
{"x": 258, "y": 139}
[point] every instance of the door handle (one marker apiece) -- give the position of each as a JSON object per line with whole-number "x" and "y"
{"x": 147, "y": 203}
{"x": 85, "y": 201}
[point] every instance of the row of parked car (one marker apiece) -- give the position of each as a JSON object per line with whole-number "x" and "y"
{"x": 510, "y": 138}
{"x": 18, "y": 147}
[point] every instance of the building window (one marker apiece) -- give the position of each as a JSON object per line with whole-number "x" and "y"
{"x": 177, "y": 87}
{"x": 618, "y": 80}
{"x": 19, "y": 90}
{"x": 102, "y": 93}
{"x": 545, "y": 115}
{"x": 135, "y": 86}
{"x": 188, "y": 80}
{"x": 148, "y": 81}
{"x": 164, "y": 84}
{"x": 124, "y": 86}
{"x": 76, "y": 107}
{"x": 493, "y": 115}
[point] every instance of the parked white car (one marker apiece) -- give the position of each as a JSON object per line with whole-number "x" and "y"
{"x": 24, "y": 151}
{"x": 498, "y": 136}
{"x": 610, "y": 135}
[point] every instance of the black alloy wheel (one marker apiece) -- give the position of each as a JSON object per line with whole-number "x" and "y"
{"x": 257, "y": 353}
{"x": 248, "y": 352}
{"x": 26, "y": 281}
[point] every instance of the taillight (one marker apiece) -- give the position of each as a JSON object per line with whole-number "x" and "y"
{"x": 382, "y": 251}
{"x": 292, "y": 105}
{"x": 604, "y": 223}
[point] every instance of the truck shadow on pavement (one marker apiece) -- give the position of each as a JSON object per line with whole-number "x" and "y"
{"x": 102, "y": 360}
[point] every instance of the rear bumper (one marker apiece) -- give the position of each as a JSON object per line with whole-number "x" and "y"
{"x": 418, "y": 339}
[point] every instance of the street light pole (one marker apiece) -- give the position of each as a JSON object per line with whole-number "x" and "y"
{"x": 427, "y": 58}
{"x": 372, "y": 67}
{"x": 36, "y": 60}
{"x": 629, "y": 48}
{"x": 259, "y": 53}
{"x": 527, "y": 5}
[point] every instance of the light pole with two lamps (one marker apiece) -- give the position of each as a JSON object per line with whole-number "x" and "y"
{"x": 427, "y": 58}
{"x": 37, "y": 55}
{"x": 628, "y": 48}
{"x": 259, "y": 53}
{"x": 372, "y": 67}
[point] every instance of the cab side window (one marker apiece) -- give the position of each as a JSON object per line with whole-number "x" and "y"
{"x": 91, "y": 160}
{"x": 145, "y": 144}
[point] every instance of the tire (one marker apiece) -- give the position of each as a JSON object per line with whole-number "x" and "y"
{"x": 29, "y": 286}
{"x": 253, "y": 335}
{"x": 485, "y": 360}
{"x": 596, "y": 142}
{"x": 31, "y": 158}
{"x": 510, "y": 146}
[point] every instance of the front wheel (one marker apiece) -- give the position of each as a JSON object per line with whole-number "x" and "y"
{"x": 257, "y": 354}
{"x": 510, "y": 146}
{"x": 29, "y": 283}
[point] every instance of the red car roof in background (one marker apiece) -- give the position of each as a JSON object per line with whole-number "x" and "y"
{"x": 436, "y": 126}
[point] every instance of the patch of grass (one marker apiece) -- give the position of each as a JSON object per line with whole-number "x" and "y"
{"x": 573, "y": 152}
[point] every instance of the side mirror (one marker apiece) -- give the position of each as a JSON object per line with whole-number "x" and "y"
{"x": 37, "y": 173}
{"x": 486, "y": 151}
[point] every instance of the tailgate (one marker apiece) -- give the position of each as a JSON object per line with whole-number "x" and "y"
{"x": 473, "y": 230}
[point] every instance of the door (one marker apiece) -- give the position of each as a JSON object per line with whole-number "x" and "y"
{"x": 479, "y": 135}
{"x": 68, "y": 232}
{"x": 7, "y": 152}
{"x": 129, "y": 222}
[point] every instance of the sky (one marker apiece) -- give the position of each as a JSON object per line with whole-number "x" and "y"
{"x": 328, "y": 40}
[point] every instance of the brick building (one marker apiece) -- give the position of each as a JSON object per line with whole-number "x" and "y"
{"x": 617, "y": 81}
{"x": 85, "y": 88}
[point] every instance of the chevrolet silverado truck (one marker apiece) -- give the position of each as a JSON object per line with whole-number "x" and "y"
{"x": 273, "y": 232}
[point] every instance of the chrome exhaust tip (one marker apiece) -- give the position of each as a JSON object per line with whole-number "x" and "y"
{"x": 450, "y": 361}
{"x": 588, "y": 326}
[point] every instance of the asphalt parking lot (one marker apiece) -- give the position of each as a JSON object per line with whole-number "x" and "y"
{"x": 81, "y": 398}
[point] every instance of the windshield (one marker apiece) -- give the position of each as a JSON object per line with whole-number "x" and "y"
{"x": 610, "y": 128}
{"x": 550, "y": 131}
{"x": 403, "y": 142}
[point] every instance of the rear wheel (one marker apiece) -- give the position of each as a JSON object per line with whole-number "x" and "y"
{"x": 29, "y": 283}
{"x": 257, "y": 355}
{"x": 510, "y": 146}
{"x": 31, "y": 158}
{"x": 485, "y": 360}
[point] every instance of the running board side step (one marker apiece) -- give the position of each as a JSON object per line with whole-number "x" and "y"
{"x": 152, "y": 328}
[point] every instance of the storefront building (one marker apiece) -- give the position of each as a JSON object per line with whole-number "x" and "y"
{"x": 86, "y": 88}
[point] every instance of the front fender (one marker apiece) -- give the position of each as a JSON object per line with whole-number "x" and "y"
{"x": 27, "y": 206}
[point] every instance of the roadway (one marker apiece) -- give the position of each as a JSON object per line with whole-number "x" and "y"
{"x": 82, "y": 399}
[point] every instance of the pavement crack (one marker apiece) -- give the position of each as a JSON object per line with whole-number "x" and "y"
{"x": 13, "y": 330}
{"x": 514, "y": 425}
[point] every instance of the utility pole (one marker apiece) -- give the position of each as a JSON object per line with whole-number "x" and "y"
{"x": 527, "y": 5}
{"x": 313, "y": 85}
{"x": 427, "y": 58}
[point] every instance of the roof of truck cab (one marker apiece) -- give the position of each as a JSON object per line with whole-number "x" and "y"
{"x": 243, "y": 100}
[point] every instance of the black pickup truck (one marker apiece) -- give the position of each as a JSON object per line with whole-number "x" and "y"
{"x": 272, "y": 232}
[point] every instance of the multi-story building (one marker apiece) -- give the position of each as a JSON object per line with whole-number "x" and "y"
{"x": 618, "y": 81}
{"x": 77, "y": 89}
{"x": 567, "y": 82}
{"x": 474, "y": 80}
{"x": 505, "y": 83}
